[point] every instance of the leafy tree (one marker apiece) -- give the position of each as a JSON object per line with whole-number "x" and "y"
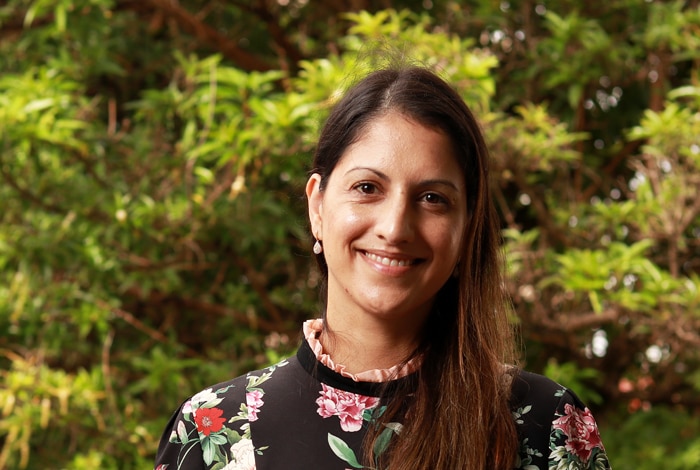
{"x": 153, "y": 236}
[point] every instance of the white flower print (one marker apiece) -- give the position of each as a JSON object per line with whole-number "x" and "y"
{"x": 242, "y": 456}
{"x": 205, "y": 399}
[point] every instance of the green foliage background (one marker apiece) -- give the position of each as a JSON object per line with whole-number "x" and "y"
{"x": 152, "y": 226}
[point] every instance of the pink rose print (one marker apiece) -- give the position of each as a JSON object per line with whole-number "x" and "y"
{"x": 254, "y": 401}
{"x": 345, "y": 405}
{"x": 581, "y": 431}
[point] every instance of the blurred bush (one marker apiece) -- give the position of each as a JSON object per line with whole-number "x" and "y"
{"x": 153, "y": 232}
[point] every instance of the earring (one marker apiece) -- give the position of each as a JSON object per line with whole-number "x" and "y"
{"x": 318, "y": 248}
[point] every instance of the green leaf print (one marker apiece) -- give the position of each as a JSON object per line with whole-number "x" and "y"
{"x": 182, "y": 432}
{"x": 232, "y": 436}
{"x": 208, "y": 451}
{"x": 383, "y": 441}
{"x": 218, "y": 439}
{"x": 520, "y": 412}
{"x": 343, "y": 451}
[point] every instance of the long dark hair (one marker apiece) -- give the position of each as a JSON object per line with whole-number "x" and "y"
{"x": 457, "y": 415}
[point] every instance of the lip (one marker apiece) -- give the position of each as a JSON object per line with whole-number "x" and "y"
{"x": 390, "y": 260}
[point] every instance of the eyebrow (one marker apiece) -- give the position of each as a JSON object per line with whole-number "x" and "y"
{"x": 383, "y": 176}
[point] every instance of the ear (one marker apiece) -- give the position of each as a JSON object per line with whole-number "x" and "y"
{"x": 315, "y": 198}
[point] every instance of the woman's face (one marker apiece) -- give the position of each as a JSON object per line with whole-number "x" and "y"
{"x": 391, "y": 219}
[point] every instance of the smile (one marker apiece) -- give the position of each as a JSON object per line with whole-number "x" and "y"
{"x": 388, "y": 261}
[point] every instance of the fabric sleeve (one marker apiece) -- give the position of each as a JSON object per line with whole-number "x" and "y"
{"x": 210, "y": 430}
{"x": 180, "y": 447}
{"x": 574, "y": 440}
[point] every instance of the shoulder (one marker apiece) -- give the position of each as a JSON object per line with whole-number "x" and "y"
{"x": 214, "y": 423}
{"x": 235, "y": 390}
{"x": 556, "y": 428}
{"x": 232, "y": 396}
{"x": 534, "y": 401}
{"x": 527, "y": 385}
{"x": 543, "y": 395}
{"x": 537, "y": 401}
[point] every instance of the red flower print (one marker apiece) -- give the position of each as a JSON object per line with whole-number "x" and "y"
{"x": 209, "y": 420}
{"x": 254, "y": 402}
{"x": 345, "y": 405}
{"x": 581, "y": 431}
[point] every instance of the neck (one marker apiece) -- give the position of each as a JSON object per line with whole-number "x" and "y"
{"x": 363, "y": 343}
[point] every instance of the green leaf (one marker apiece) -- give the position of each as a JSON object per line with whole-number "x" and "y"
{"x": 208, "y": 450}
{"x": 218, "y": 438}
{"x": 383, "y": 441}
{"x": 39, "y": 105}
{"x": 595, "y": 302}
{"x": 343, "y": 451}
{"x": 182, "y": 432}
{"x": 60, "y": 16}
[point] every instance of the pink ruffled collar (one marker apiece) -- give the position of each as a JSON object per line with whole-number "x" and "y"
{"x": 312, "y": 332}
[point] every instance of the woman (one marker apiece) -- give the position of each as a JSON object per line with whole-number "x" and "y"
{"x": 408, "y": 368}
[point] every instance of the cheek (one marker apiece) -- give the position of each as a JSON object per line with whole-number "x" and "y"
{"x": 448, "y": 235}
{"x": 341, "y": 226}
{"x": 354, "y": 217}
{"x": 453, "y": 246}
{"x": 343, "y": 220}
{"x": 449, "y": 246}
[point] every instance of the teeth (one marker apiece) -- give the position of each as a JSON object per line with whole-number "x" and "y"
{"x": 388, "y": 261}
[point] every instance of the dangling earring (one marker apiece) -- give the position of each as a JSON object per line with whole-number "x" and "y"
{"x": 318, "y": 248}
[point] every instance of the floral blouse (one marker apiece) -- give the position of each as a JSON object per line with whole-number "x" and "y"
{"x": 301, "y": 414}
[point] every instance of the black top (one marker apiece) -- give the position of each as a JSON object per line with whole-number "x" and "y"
{"x": 299, "y": 414}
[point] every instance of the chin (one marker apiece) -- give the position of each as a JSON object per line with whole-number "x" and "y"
{"x": 396, "y": 311}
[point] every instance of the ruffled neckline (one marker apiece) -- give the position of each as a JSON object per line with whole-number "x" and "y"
{"x": 312, "y": 333}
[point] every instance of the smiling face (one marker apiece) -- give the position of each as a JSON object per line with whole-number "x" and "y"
{"x": 391, "y": 217}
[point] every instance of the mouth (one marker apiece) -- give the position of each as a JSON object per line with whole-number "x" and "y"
{"x": 388, "y": 261}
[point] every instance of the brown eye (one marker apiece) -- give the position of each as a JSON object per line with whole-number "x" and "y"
{"x": 366, "y": 188}
{"x": 433, "y": 198}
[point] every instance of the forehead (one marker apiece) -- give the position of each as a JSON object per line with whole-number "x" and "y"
{"x": 394, "y": 140}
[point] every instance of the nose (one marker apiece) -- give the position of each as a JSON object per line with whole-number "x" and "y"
{"x": 395, "y": 220}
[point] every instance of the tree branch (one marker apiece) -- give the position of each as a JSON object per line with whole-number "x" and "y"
{"x": 279, "y": 35}
{"x": 28, "y": 195}
{"x": 254, "y": 322}
{"x": 209, "y": 35}
{"x": 544, "y": 218}
{"x": 574, "y": 322}
{"x": 258, "y": 283}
